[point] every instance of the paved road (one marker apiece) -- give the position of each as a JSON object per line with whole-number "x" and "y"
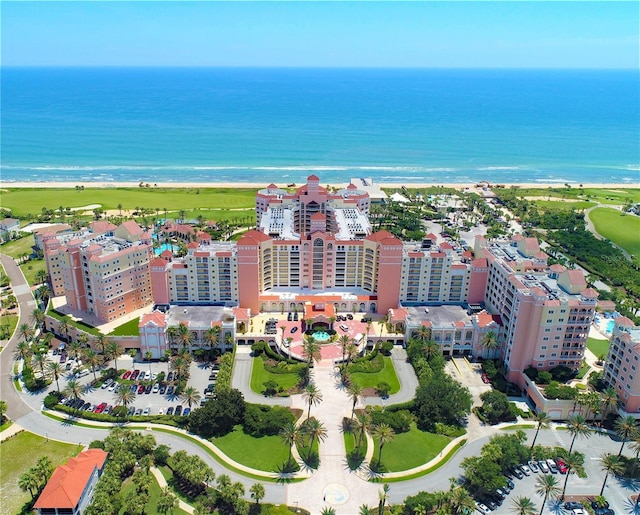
{"x": 406, "y": 376}
{"x": 16, "y": 407}
{"x": 241, "y": 380}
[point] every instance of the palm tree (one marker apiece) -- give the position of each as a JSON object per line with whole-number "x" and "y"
{"x": 172, "y": 334}
{"x": 102, "y": 341}
{"x": 74, "y": 348}
{"x": 385, "y": 434}
{"x": 114, "y": 351}
{"x": 167, "y": 502}
{"x": 178, "y": 364}
{"x": 547, "y": 485}
{"x": 344, "y": 342}
{"x": 125, "y": 397}
{"x": 26, "y": 332}
{"x": 543, "y": 420}
{"x": 328, "y": 511}
{"x": 73, "y": 389}
{"x": 577, "y": 426}
{"x": 92, "y": 358}
{"x": 523, "y": 506}
{"x": 310, "y": 350}
{"x": 63, "y": 327}
{"x": 490, "y": 342}
{"x": 83, "y": 339}
{"x": 460, "y": 501}
{"x": 28, "y": 482}
{"x": 611, "y": 465}
{"x": 383, "y": 495}
{"x": 355, "y": 393}
{"x": 608, "y": 401}
{"x": 572, "y": 462}
{"x": 185, "y": 336}
{"x": 23, "y": 350}
{"x": 40, "y": 359}
{"x": 290, "y": 435}
{"x": 311, "y": 396}
{"x": 626, "y": 428}
{"x": 190, "y": 396}
{"x": 363, "y": 426}
{"x": 315, "y": 429}
{"x": 55, "y": 370}
{"x": 212, "y": 335}
{"x": 37, "y": 317}
{"x": 257, "y": 492}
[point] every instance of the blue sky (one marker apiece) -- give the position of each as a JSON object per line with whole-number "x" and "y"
{"x": 371, "y": 34}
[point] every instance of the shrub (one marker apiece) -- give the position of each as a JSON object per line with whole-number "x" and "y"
{"x": 386, "y": 348}
{"x": 52, "y": 399}
{"x": 531, "y": 373}
{"x": 450, "y": 431}
{"x": 382, "y": 389}
{"x": 544, "y": 377}
{"x": 400, "y": 421}
{"x": 260, "y": 420}
{"x": 32, "y": 383}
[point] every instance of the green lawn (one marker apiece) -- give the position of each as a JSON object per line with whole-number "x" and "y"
{"x": 621, "y": 229}
{"x": 31, "y": 268}
{"x": 259, "y": 376}
{"x": 565, "y": 206}
{"x": 386, "y": 375}
{"x": 80, "y": 325}
{"x": 19, "y": 454}
{"x": 17, "y": 248}
{"x": 266, "y": 453}
{"x": 409, "y": 450}
{"x": 12, "y": 322}
{"x": 599, "y": 195}
{"x": 32, "y": 200}
{"x": 154, "y": 495}
{"x": 598, "y": 347}
{"x": 129, "y": 328}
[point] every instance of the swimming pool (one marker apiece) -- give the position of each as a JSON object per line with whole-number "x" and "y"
{"x": 610, "y": 325}
{"x": 321, "y": 336}
{"x": 166, "y": 246}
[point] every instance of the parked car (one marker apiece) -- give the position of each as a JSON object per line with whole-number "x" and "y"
{"x": 510, "y": 484}
{"x": 490, "y": 504}
{"x": 113, "y": 386}
{"x": 163, "y": 389}
{"x": 106, "y": 384}
{"x": 482, "y": 508}
{"x": 543, "y": 467}
{"x": 501, "y": 493}
{"x": 186, "y": 412}
{"x": 127, "y": 374}
{"x": 170, "y": 376}
{"x": 138, "y": 412}
{"x": 170, "y": 390}
{"x": 178, "y": 410}
{"x": 147, "y": 375}
{"x": 170, "y": 410}
{"x": 562, "y": 466}
{"x": 579, "y": 511}
{"x": 131, "y": 411}
{"x": 140, "y": 389}
{"x": 553, "y": 468}
{"x": 595, "y": 504}
{"x": 485, "y": 378}
{"x": 525, "y": 470}
{"x": 148, "y": 388}
{"x": 156, "y": 388}
{"x": 572, "y": 505}
{"x": 135, "y": 374}
{"x": 133, "y": 388}
{"x": 85, "y": 406}
{"x": 147, "y": 411}
{"x": 516, "y": 472}
{"x": 533, "y": 466}
{"x": 604, "y": 511}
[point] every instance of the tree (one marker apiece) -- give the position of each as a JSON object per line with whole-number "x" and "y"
{"x": 42, "y": 360}
{"x": 37, "y": 317}
{"x": 441, "y": 399}
{"x": 460, "y": 501}
{"x": 167, "y": 501}
{"x": 547, "y": 485}
{"x": 608, "y": 401}
{"x": 542, "y": 420}
{"x": 28, "y": 482}
{"x": 257, "y": 492}
{"x": 310, "y": 350}
{"x": 316, "y": 430}
{"x": 572, "y": 461}
{"x": 114, "y": 351}
{"x": 185, "y": 336}
{"x": 482, "y": 474}
{"x": 577, "y": 426}
{"x": 218, "y": 418}
{"x": 73, "y": 389}
{"x": 74, "y": 348}
{"x": 383, "y": 495}
{"x": 290, "y": 435}
{"x": 212, "y": 335}
{"x": 55, "y": 370}
{"x": 23, "y": 351}
{"x": 3, "y": 410}
{"x": 384, "y": 434}
{"x": 26, "y": 332}
{"x": 523, "y": 506}
{"x": 190, "y": 396}
{"x": 93, "y": 359}
{"x": 626, "y": 428}
{"x": 43, "y": 469}
{"x": 63, "y": 327}
{"x": 355, "y": 393}
{"x": 490, "y": 342}
{"x": 363, "y": 426}
{"x": 496, "y": 406}
{"x": 312, "y": 396}
{"x": 125, "y": 396}
{"x": 611, "y": 465}
{"x": 344, "y": 342}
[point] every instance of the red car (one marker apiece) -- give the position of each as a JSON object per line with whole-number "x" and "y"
{"x": 485, "y": 378}
{"x": 100, "y": 408}
{"x": 135, "y": 374}
{"x": 140, "y": 389}
{"x": 126, "y": 374}
{"x": 562, "y": 466}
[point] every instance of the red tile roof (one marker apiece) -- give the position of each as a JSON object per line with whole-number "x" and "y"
{"x": 132, "y": 227}
{"x": 64, "y": 488}
{"x": 156, "y": 317}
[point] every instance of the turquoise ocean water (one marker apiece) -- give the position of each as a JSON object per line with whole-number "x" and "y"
{"x": 262, "y": 125}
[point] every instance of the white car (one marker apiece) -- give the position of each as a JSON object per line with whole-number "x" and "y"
{"x": 147, "y": 375}
{"x": 525, "y": 470}
{"x": 146, "y": 411}
{"x": 113, "y": 387}
{"x": 161, "y": 411}
{"x": 543, "y": 467}
{"x": 533, "y": 466}
{"x": 482, "y": 508}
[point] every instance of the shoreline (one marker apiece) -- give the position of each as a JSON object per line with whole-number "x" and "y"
{"x": 262, "y": 185}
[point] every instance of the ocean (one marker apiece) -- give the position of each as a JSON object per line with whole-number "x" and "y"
{"x": 263, "y": 125}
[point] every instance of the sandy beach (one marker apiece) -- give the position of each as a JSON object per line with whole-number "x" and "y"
{"x": 259, "y": 185}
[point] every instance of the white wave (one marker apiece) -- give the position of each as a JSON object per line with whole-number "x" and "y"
{"x": 496, "y": 168}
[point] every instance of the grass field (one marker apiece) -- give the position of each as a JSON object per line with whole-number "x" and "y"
{"x": 565, "y": 206}
{"x": 598, "y": 347}
{"x": 409, "y": 450}
{"x": 267, "y": 453}
{"x": 259, "y": 376}
{"x": 129, "y": 328}
{"x": 31, "y": 268}
{"x": 621, "y": 229}
{"x": 12, "y": 322}
{"x": 19, "y": 454}
{"x": 154, "y": 495}
{"x": 32, "y": 200}
{"x": 599, "y": 195}
{"x": 17, "y": 248}
{"x": 386, "y": 375}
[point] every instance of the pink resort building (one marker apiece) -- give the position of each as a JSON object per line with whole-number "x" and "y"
{"x": 102, "y": 271}
{"x": 622, "y": 366}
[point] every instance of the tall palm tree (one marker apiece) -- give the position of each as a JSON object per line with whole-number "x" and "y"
{"x": 383, "y": 495}
{"x": 315, "y": 429}
{"x": 63, "y": 327}
{"x": 490, "y": 342}
{"x": 190, "y": 396}
{"x": 310, "y": 350}
{"x": 41, "y": 360}
{"x": 611, "y": 465}
{"x": 523, "y": 506}
{"x": 74, "y": 348}
{"x": 344, "y": 342}
{"x": 93, "y": 359}
{"x": 543, "y": 420}
{"x": 626, "y": 428}
{"x": 178, "y": 364}
{"x": 609, "y": 401}
{"x": 363, "y": 426}
{"x": 460, "y": 501}
{"x": 125, "y": 397}
{"x": 290, "y": 435}
{"x": 83, "y": 339}
{"x": 23, "y": 350}
{"x": 172, "y": 334}
{"x": 547, "y": 485}
{"x": 37, "y": 317}
{"x": 185, "y": 336}
{"x": 26, "y": 332}
{"x": 212, "y": 335}
{"x": 577, "y": 426}
{"x": 102, "y": 341}
{"x": 572, "y": 462}
{"x": 257, "y": 492}
{"x": 73, "y": 389}
{"x": 114, "y": 351}
{"x": 311, "y": 396}
{"x": 354, "y": 390}
{"x": 384, "y": 433}
{"x": 28, "y": 482}
{"x": 55, "y": 370}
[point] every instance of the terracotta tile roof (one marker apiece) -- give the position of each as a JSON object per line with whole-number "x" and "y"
{"x": 193, "y": 245}
{"x": 65, "y": 487}
{"x": 156, "y": 318}
{"x": 589, "y": 293}
{"x": 158, "y": 262}
{"x": 557, "y": 268}
{"x": 627, "y": 322}
{"x": 166, "y": 254}
{"x": 576, "y": 277}
{"x": 313, "y": 178}
{"x": 99, "y": 227}
{"x": 132, "y": 227}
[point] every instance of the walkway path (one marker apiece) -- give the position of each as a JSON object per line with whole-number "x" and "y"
{"x": 163, "y": 483}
